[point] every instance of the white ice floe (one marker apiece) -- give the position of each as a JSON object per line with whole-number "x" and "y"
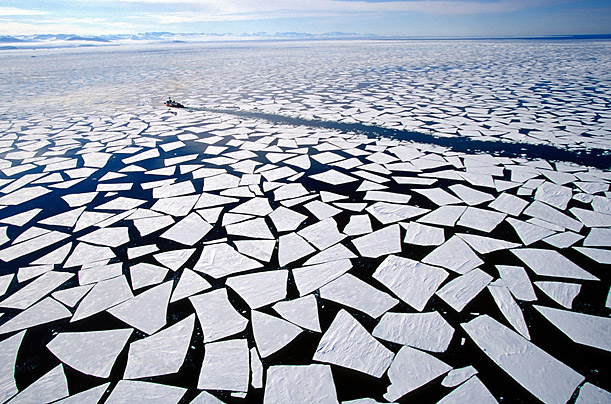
{"x": 217, "y": 317}
{"x": 258, "y": 206}
{"x": 36, "y": 290}
{"x": 598, "y": 237}
{"x": 285, "y": 219}
{"x": 65, "y": 219}
{"x": 45, "y": 311}
{"x": 470, "y": 196}
{"x": 137, "y": 392}
{"x": 8, "y": 357}
{"x": 189, "y": 230}
{"x": 146, "y": 311}
{"x": 300, "y": 385}
{"x": 49, "y": 388}
{"x": 443, "y": 216}
{"x": 455, "y": 255}
{"x": 334, "y": 253}
{"x": 71, "y": 296}
{"x": 385, "y": 196}
{"x": 97, "y": 273}
{"x": 460, "y": 291}
{"x": 321, "y": 210}
{"x": 591, "y": 394}
{"x": 411, "y": 369}
{"x": 425, "y": 331}
{"x": 140, "y": 251}
{"x": 189, "y": 284}
{"x": 109, "y": 236}
{"x": 259, "y": 249}
{"x": 207, "y": 200}
{"x": 551, "y": 263}
{"x": 348, "y": 344}
{"x": 272, "y": 333}
{"x": 350, "y": 291}
{"x": 19, "y": 250}
{"x": 563, "y": 240}
{"x": 485, "y": 245}
{"x": 322, "y": 234}
{"x": 226, "y": 366}
{"x": 545, "y": 212}
{"x": 528, "y": 232}
{"x": 597, "y": 254}
{"x": 220, "y": 259}
{"x": 381, "y": 242}
{"x": 508, "y": 307}
{"x": 530, "y": 366}
{"x": 162, "y": 353}
{"x": 206, "y": 398}
{"x": 561, "y": 292}
{"x": 554, "y": 195}
{"x": 309, "y": 278}
{"x": 458, "y": 376}
{"x": 256, "y": 369}
{"x": 292, "y": 247}
{"x": 387, "y": 213}
{"x": 91, "y": 352}
{"x": 585, "y": 329}
{"x": 421, "y": 234}
{"x": 333, "y": 177}
{"x": 480, "y": 219}
{"x": 438, "y": 196}
{"x": 145, "y": 274}
{"x": 104, "y": 295}
{"x": 121, "y": 203}
{"x": 472, "y": 391}
{"x": 412, "y": 281}
{"x": 176, "y": 206}
{"x": 84, "y": 254}
{"x": 174, "y": 259}
{"x": 507, "y": 203}
{"x": 254, "y": 228}
{"x": 261, "y": 288}
{"x": 92, "y": 395}
{"x": 516, "y": 279}
{"x": 302, "y": 311}
{"x": 358, "y": 224}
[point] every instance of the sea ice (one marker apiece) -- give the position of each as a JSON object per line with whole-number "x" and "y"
{"x": 425, "y": 331}
{"x": 226, "y": 366}
{"x": 530, "y": 366}
{"x": 216, "y": 315}
{"x": 162, "y": 353}
{"x": 348, "y": 344}
{"x": 91, "y": 352}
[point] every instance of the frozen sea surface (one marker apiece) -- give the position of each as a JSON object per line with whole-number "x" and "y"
{"x": 225, "y": 253}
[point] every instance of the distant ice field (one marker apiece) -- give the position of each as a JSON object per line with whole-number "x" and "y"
{"x": 303, "y": 232}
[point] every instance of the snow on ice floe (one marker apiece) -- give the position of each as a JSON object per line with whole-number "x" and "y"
{"x": 217, "y": 316}
{"x": 339, "y": 246}
{"x": 161, "y": 353}
{"x": 348, "y": 344}
{"x": 411, "y": 281}
{"x": 411, "y": 369}
{"x": 425, "y": 331}
{"x": 534, "y": 369}
{"x": 300, "y": 384}
{"x": 226, "y": 366}
{"x": 92, "y": 352}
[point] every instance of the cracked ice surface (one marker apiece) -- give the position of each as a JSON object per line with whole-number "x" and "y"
{"x": 169, "y": 252}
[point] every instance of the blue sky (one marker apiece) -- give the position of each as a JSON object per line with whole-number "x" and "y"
{"x": 381, "y": 17}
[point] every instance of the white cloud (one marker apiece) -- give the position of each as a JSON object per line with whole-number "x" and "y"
{"x": 238, "y": 10}
{"x": 14, "y": 11}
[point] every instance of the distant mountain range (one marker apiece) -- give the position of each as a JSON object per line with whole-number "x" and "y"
{"x": 169, "y": 37}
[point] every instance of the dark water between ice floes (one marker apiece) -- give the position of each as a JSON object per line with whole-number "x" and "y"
{"x": 599, "y": 158}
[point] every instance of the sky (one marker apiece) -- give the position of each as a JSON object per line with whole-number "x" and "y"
{"x": 378, "y": 17}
